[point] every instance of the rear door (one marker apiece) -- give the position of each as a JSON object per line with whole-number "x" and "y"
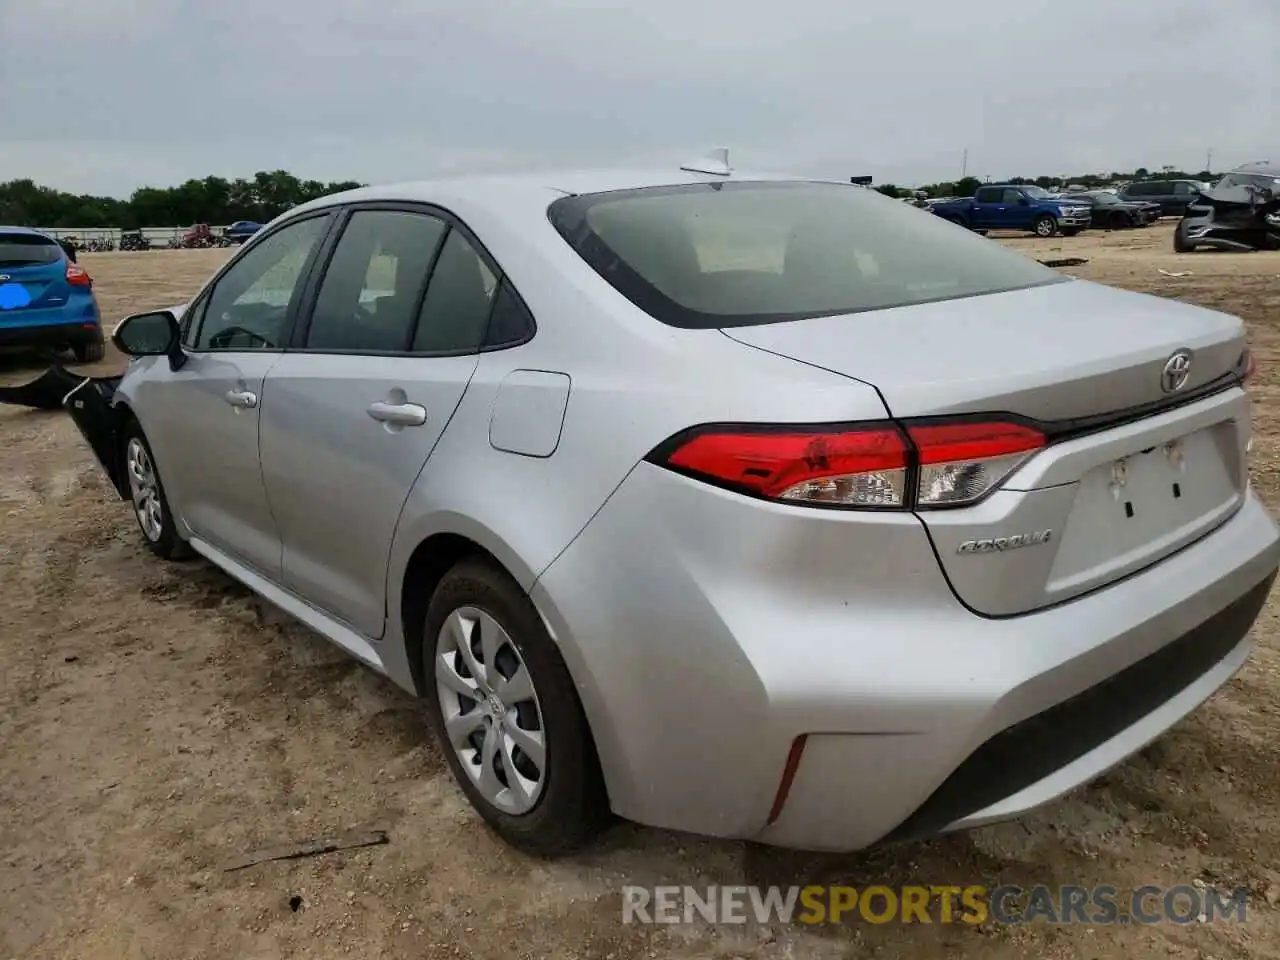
{"x": 202, "y": 419}
{"x": 989, "y": 208}
{"x": 354, "y": 411}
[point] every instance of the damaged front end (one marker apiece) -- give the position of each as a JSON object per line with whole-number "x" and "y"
{"x": 89, "y": 401}
{"x": 1242, "y": 218}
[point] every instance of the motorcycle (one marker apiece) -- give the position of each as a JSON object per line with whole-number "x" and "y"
{"x": 1242, "y": 218}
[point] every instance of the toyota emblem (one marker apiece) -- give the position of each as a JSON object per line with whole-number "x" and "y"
{"x": 1176, "y": 373}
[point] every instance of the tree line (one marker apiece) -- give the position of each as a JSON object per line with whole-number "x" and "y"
{"x": 217, "y": 200}
{"x": 968, "y": 186}
{"x": 213, "y": 200}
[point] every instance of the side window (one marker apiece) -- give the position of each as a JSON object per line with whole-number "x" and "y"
{"x": 1012, "y": 196}
{"x": 455, "y": 311}
{"x": 989, "y": 195}
{"x": 190, "y": 322}
{"x": 370, "y": 292}
{"x": 1183, "y": 189}
{"x": 510, "y": 322}
{"x": 250, "y": 303}
{"x": 1138, "y": 190}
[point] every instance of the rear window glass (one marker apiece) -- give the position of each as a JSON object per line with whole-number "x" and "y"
{"x": 16, "y": 248}
{"x": 740, "y": 253}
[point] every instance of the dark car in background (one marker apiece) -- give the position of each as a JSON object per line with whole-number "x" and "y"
{"x": 1109, "y": 212}
{"x": 241, "y": 230}
{"x": 1174, "y": 196}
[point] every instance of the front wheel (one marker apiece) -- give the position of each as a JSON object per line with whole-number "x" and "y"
{"x": 1045, "y": 226}
{"x": 507, "y": 715}
{"x": 1180, "y": 242}
{"x": 147, "y": 497}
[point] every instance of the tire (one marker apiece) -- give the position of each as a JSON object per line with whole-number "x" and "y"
{"x": 1045, "y": 225}
{"x": 90, "y": 352}
{"x": 567, "y": 806}
{"x": 1180, "y": 242}
{"x": 155, "y": 519}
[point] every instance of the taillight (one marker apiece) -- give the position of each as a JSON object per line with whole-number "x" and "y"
{"x": 78, "y": 276}
{"x": 962, "y": 462}
{"x": 875, "y": 465}
{"x": 1248, "y": 365}
{"x": 848, "y": 467}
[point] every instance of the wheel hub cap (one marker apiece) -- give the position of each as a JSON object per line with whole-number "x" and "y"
{"x": 492, "y": 716}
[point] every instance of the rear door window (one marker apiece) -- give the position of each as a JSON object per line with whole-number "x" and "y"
{"x": 455, "y": 311}
{"x": 374, "y": 282}
{"x": 989, "y": 195}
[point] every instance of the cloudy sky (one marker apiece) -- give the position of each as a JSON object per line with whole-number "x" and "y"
{"x": 107, "y": 95}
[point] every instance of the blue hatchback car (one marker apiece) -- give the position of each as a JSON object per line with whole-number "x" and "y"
{"x": 46, "y": 298}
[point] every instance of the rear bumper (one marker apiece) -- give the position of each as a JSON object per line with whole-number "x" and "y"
{"x": 62, "y": 333}
{"x": 707, "y": 633}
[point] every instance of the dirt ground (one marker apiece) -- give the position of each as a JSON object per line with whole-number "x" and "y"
{"x": 157, "y": 721}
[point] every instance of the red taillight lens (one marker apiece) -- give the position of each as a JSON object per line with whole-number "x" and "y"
{"x": 78, "y": 276}
{"x": 866, "y": 466}
{"x": 851, "y": 467}
{"x": 961, "y": 462}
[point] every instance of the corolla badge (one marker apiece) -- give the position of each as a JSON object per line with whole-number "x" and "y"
{"x": 1176, "y": 372}
{"x": 995, "y": 544}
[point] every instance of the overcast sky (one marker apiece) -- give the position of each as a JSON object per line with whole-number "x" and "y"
{"x": 107, "y": 95}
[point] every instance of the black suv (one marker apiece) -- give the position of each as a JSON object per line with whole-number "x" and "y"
{"x": 1174, "y": 196}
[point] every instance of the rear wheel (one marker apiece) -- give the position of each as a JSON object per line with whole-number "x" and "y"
{"x": 90, "y": 352}
{"x": 1045, "y": 226}
{"x": 507, "y": 715}
{"x": 147, "y": 497}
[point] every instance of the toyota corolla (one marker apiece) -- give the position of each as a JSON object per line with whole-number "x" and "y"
{"x": 756, "y": 507}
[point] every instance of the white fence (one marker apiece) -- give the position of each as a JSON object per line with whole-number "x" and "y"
{"x": 159, "y": 236}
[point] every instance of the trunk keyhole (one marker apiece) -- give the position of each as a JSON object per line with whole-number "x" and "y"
{"x": 1128, "y": 508}
{"x": 1177, "y": 491}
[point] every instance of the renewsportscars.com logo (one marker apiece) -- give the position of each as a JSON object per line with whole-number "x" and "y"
{"x": 970, "y": 904}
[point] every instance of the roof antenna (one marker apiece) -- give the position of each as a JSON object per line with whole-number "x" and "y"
{"x": 716, "y": 162}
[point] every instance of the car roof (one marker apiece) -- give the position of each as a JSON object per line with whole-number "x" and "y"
{"x": 30, "y": 231}
{"x": 541, "y": 186}
{"x": 1268, "y": 168}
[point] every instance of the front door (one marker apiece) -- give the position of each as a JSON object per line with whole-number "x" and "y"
{"x": 203, "y": 418}
{"x": 352, "y": 414}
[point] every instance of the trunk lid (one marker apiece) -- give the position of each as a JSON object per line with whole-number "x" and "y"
{"x": 1085, "y": 511}
{"x": 1055, "y": 352}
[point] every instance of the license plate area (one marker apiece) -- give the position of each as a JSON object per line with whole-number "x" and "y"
{"x": 1134, "y": 510}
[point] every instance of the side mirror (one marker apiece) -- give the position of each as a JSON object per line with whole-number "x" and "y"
{"x": 154, "y": 334}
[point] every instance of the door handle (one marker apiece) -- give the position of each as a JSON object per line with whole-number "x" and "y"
{"x": 401, "y": 414}
{"x": 242, "y": 398}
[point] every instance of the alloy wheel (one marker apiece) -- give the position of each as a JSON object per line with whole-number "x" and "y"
{"x": 491, "y": 712}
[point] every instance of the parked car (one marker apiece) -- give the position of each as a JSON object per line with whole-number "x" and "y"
{"x": 1108, "y": 212}
{"x": 1241, "y": 213}
{"x": 1174, "y": 196}
{"x": 46, "y": 298}
{"x": 199, "y": 235}
{"x": 907, "y": 535}
{"x": 1016, "y": 207}
{"x": 241, "y": 230}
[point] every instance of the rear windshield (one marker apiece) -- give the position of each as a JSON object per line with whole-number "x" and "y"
{"x": 740, "y": 253}
{"x": 20, "y": 248}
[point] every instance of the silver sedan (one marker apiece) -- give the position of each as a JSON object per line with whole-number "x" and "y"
{"x": 750, "y": 506}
